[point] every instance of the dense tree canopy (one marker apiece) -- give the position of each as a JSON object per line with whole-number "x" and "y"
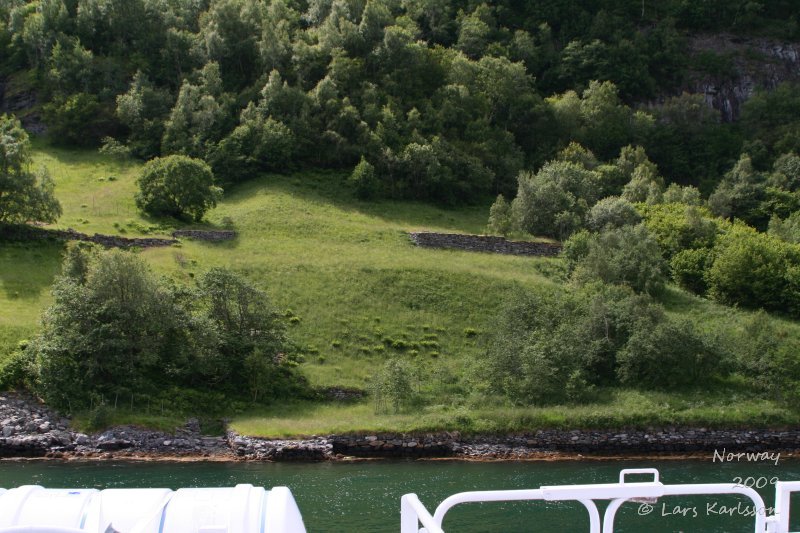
{"x": 448, "y": 100}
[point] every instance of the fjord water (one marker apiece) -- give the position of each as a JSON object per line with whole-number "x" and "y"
{"x": 365, "y": 496}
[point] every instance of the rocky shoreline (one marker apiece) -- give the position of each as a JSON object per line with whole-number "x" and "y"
{"x": 31, "y": 430}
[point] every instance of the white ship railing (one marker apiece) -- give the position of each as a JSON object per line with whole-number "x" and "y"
{"x": 240, "y": 509}
{"x": 413, "y": 513}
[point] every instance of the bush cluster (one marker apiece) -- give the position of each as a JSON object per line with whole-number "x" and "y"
{"x": 557, "y": 347}
{"x": 116, "y": 330}
{"x": 730, "y": 262}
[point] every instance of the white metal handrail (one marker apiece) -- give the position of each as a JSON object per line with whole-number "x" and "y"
{"x": 783, "y": 493}
{"x": 413, "y": 513}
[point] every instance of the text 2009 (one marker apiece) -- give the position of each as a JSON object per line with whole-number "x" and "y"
{"x": 753, "y": 482}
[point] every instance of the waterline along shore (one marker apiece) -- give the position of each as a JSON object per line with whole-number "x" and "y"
{"x": 30, "y": 430}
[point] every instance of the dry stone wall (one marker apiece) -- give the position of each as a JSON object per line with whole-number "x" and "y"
{"x": 29, "y": 233}
{"x": 484, "y": 243}
{"x": 205, "y": 235}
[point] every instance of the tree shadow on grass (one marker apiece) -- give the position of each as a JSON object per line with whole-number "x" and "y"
{"x": 329, "y": 188}
{"x": 29, "y": 268}
{"x": 67, "y": 156}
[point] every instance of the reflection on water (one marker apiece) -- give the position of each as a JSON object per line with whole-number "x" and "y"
{"x": 365, "y": 496}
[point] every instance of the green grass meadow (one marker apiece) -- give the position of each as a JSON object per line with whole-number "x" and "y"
{"x": 350, "y": 283}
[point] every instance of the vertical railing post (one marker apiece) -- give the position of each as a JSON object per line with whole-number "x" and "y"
{"x": 408, "y": 516}
{"x": 783, "y": 494}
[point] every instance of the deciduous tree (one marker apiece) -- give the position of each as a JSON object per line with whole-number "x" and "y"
{"x": 25, "y": 195}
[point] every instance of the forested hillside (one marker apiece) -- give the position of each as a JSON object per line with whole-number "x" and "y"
{"x": 657, "y": 141}
{"x": 446, "y": 99}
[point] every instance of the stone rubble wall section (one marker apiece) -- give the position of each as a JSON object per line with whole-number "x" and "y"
{"x": 205, "y": 235}
{"x": 484, "y": 243}
{"x": 111, "y": 241}
{"x": 341, "y": 394}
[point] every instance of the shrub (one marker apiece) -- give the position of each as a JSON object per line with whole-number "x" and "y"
{"x": 18, "y": 371}
{"x": 752, "y": 269}
{"x": 766, "y": 359}
{"x": 393, "y": 385}
{"x": 677, "y": 227}
{"x": 740, "y": 193}
{"x": 177, "y": 186}
{"x": 689, "y": 269}
{"x": 688, "y": 195}
{"x": 78, "y": 119}
{"x": 557, "y": 347}
{"x": 551, "y": 369}
{"x": 256, "y": 144}
{"x": 114, "y": 148}
{"x": 612, "y": 212}
{"x": 668, "y": 355}
{"x": 555, "y": 200}
{"x": 788, "y": 229}
{"x": 115, "y": 325}
{"x": 623, "y": 256}
{"x": 576, "y": 248}
{"x": 364, "y": 180}
{"x": 99, "y": 417}
{"x": 500, "y": 217}
{"x": 400, "y": 345}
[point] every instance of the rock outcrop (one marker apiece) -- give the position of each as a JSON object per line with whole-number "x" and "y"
{"x": 21, "y": 104}
{"x": 756, "y": 63}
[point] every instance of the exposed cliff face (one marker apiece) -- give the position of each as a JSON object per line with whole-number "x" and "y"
{"x": 23, "y": 104}
{"x": 745, "y": 65}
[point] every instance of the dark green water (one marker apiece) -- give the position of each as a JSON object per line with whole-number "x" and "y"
{"x": 365, "y": 496}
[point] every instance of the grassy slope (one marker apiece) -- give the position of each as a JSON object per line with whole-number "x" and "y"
{"x": 348, "y": 271}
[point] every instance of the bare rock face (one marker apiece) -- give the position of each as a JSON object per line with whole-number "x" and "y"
{"x": 20, "y": 105}
{"x": 756, "y": 63}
